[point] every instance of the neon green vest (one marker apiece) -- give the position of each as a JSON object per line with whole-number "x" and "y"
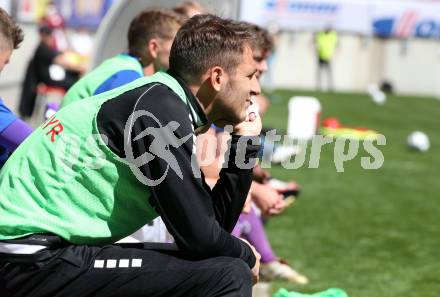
{"x": 71, "y": 184}
{"x": 326, "y": 43}
{"x": 87, "y": 86}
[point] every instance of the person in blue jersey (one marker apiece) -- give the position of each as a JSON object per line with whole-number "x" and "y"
{"x": 150, "y": 36}
{"x": 12, "y": 130}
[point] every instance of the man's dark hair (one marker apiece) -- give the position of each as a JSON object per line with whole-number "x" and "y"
{"x": 205, "y": 41}
{"x": 264, "y": 41}
{"x": 10, "y": 32}
{"x": 149, "y": 24}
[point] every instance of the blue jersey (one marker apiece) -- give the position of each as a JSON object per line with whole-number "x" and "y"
{"x": 112, "y": 73}
{"x": 116, "y": 80}
{"x": 7, "y": 117}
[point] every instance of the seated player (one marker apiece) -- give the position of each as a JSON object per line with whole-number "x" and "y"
{"x": 150, "y": 36}
{"x": 267, "y": 197}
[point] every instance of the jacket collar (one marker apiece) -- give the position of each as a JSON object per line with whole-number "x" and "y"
{"x": 191, "y": 99}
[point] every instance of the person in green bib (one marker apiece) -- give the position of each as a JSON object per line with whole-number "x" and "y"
{"x": 150, "y": 36}
{"x": 104, "y": 166}
{"x": 326, "y": 42}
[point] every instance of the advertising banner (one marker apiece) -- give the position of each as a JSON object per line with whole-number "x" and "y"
{"x": 388, "y": 19}
{"x": 31, "y": 10}
{"x": 83, "y": 13}
{"x": 75, "y": 13}
{"x": 407, "y": 19}
{"x": 347, "y": 16}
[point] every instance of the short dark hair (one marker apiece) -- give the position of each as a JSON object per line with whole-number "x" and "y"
{"x": 262, "y": 40}
{"x": 9, "y": 30}
{"x": 152, "y": 23}
{"x": 205, "y": 41}
{"x": 265, "y": 39}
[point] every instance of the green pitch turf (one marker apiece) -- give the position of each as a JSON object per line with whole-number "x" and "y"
{"x": 373, "y": 233}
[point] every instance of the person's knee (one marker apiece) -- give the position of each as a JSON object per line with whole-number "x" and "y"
{"x": 228, "y": 277}
{"x": 239, "y": 273}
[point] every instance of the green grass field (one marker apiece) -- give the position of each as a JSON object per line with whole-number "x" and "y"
{"x": 373, "y": 233}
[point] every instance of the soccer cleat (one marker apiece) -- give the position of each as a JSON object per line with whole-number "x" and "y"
{"x": 281, "y": 271}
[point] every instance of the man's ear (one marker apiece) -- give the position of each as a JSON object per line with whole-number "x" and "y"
{"x": 153, "y": 48}
{"x": 218, "y": 78}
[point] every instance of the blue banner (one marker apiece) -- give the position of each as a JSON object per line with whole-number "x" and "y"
{"x": 83, "y": 13}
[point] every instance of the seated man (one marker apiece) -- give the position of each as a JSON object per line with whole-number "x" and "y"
{"x": 126, "y": 160}
{"x": 52, "y": 67}
{"x": 150, "y": 36}
{"x": 49, "y": 74}
{"x": 263, "y": 193}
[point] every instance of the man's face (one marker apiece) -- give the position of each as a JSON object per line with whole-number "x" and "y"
{"x": 235, "y": 96}
{"x": 260, "y": 59}
{"x": 163, "y": 53}
{"x": 5, "y": 55}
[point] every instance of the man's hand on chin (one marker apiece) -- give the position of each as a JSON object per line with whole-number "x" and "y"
{"x": 252, "y": 125}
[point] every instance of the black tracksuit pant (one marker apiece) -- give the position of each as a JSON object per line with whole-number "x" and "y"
{"x": 81, "y": 271}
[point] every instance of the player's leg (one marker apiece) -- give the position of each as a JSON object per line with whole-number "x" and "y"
{"x": 118, "y": 271}
{"x": 271, "y": 267}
